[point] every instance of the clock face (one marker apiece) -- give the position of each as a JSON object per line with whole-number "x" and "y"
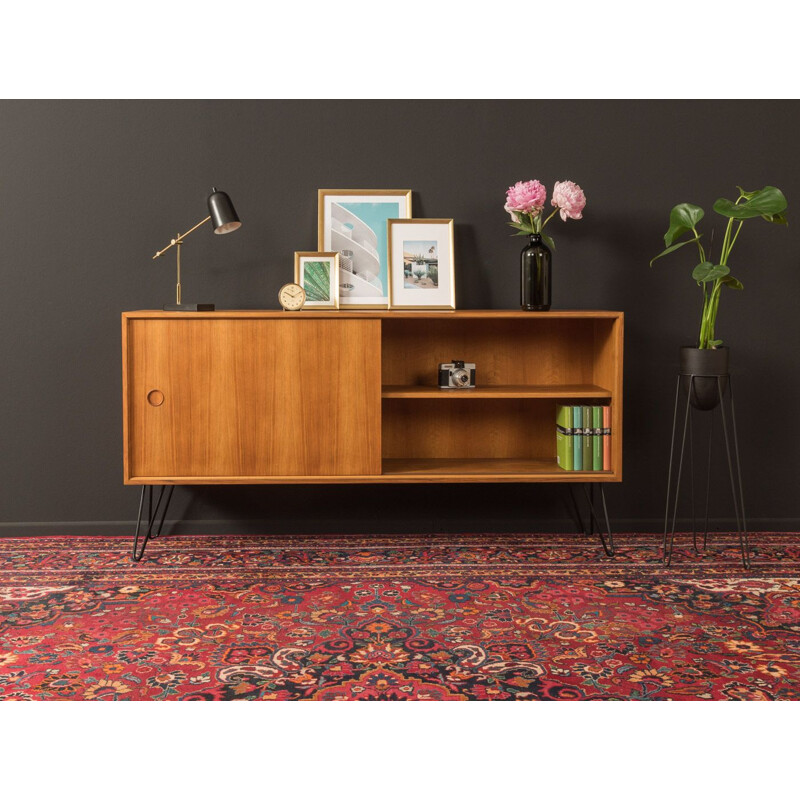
{"x": 292, "y": 296}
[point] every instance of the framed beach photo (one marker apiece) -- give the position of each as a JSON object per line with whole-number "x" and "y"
{"x": 421, "y": 264}
{"x": 318, "y": 274}
{"x": 352, "y": 222}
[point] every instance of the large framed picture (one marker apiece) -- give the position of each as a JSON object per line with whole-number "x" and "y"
{"x": 421, "y": 264}
{"x": 352, "y": 222}
{"x": 318, "y": 274}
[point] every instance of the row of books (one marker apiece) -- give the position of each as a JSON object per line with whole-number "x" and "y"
{"x": 583, "y": 437}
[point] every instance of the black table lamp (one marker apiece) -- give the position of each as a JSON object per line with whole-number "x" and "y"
{"x": 224, "y": 220}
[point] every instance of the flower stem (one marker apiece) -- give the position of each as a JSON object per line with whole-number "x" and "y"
{"x": 555, "y": 211}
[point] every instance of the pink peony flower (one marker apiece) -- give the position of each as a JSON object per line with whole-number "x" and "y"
{"x": 569, "y": 199}
{"x": 527, "y": 197}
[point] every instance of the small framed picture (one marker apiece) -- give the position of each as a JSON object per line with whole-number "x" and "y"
{"x": 318, "y": 274}
{"x": 421, "y": 265}
{"x": 353, "y": 223}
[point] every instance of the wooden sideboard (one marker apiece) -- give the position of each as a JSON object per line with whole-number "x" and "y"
{"x": 351, "y": 397}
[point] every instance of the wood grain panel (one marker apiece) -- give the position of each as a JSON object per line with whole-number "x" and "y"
{"x": 250, "y": 397}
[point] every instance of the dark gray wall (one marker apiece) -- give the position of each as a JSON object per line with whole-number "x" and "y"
{"x": 89, "y": 190}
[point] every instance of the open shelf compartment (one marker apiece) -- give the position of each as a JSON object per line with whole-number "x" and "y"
{"x": 504, "y": 429}
{"x": 539, "y": 352}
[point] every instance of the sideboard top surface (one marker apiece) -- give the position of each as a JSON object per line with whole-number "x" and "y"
{"x": 372, "y": 314}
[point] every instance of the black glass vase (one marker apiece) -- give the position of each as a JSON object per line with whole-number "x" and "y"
{"x": 536, "y": 275}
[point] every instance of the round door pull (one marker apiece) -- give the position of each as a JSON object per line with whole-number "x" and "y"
{"x": 155, "y": 397}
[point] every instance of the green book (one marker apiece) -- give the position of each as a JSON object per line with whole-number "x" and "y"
{"x": 564, "y": 452}
{"x": 597, "y": 437}
{"x": 577, "y": 437}
{"x": 587, "y": 437}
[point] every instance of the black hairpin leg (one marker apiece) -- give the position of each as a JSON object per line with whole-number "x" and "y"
{"x": 736, "y": 488}
{"x": 607, "y": 539}
{"x": 155, "y": 517}
{"x": 575, "y": 511}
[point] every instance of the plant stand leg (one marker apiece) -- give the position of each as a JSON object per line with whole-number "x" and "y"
{"x": 671, "y": 458}
{"x": 691, "y": 478}
{"x": 155, "y": 518}
{"x": 738, "y": 499}
{"x": 708, "y": 481}
{"x": 669, "y": 547}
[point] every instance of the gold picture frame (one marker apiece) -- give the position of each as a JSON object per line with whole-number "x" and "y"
{"x": 353, "y": 222}
{"x": 312, "y": 287}
{"x": 428, "y": 244}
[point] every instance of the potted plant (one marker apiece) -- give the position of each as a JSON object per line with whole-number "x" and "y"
{"x": 713, "y": 275}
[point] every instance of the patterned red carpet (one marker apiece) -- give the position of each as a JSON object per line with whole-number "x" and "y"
{"x": 533, "y": 617}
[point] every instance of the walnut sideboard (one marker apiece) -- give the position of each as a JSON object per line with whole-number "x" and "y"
{"x": 249, "y": 397}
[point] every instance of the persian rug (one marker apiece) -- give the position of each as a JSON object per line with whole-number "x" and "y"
{"x": 490, "y": 617}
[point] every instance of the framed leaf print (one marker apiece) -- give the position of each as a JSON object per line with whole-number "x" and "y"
{"x": 318, "y": 274}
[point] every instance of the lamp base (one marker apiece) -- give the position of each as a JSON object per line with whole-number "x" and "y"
{"x": 189, "y": 307}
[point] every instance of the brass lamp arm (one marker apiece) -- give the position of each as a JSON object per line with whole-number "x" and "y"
{"x": 180, "y": 237}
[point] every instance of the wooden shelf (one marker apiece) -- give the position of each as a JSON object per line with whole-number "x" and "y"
{"x": 571, "y": 390}
{"x": 465, "y": 470}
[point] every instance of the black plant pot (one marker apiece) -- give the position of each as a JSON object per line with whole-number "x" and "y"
{"x": 710, "y": 368}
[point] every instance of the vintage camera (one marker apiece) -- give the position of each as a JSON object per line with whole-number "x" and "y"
{"x": 458, "y": 375}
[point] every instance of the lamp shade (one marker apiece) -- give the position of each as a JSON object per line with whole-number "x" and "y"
{"x": 223, "y": 214}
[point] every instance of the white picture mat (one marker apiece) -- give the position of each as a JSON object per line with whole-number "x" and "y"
{"x": 443, "y": 295}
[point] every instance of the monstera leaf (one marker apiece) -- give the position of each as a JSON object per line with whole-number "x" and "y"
{"x": 684, "y": 217}
{"x": 707, "y": 271}
{"x": 732, "y": 283}
{"x": 768, "y": 203}
{"x": 674, "y": 247}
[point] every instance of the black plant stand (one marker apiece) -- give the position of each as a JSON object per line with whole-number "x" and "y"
{"x": 155, "y": 517}
{"x": 606, "y": 540}
{"x": 735, "y": 479}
